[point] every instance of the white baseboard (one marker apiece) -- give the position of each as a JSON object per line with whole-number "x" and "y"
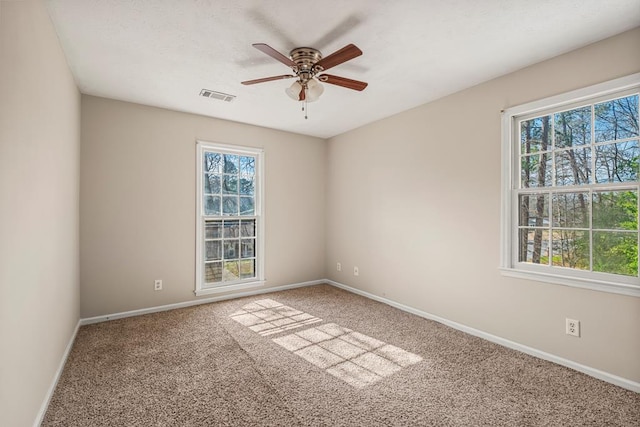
{"x": 104, "y": 318}
{"x": 56, "y": 378}
{"x": 596, "y": 373}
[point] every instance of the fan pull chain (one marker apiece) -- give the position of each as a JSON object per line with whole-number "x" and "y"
{"x": 305, "y": 106}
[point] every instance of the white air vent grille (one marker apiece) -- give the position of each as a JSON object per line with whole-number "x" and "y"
{"x": 217, "y": 95}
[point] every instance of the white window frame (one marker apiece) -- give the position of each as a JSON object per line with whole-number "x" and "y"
{"x": 509, "y": 264}
{"x": 259, "y": 280}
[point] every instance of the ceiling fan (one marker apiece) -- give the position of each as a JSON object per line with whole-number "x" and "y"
{"x": 307, "y": 64}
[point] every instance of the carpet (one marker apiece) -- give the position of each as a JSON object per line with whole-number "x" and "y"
{"x": 316, "y": 356}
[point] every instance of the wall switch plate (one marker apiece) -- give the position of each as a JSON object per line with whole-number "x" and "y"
{"x": 157, "y": 285}
{"x": 572, "y": 327}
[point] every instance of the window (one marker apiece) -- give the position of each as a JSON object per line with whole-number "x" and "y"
{"x": 570, "y": 188}
{"x": 229, "y": 218}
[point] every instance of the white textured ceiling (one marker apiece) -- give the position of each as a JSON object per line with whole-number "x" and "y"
{"x": 163, "y": 52}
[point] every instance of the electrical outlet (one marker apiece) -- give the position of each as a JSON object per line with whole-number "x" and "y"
{"x": 339, "y": 267}
{"x": 356, "y": 272}
{"x": 572, "y": 327}
{"x": 157, "y": 285}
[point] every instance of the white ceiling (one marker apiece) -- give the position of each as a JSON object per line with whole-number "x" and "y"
{"x": 163, "y": 52}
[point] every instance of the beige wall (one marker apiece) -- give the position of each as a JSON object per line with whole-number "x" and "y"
{"x": 138, "y": 203}
{"x": 414, "y": 202}
{"x": 39, "y": 192}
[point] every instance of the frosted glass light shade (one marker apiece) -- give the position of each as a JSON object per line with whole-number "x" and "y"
{"x": 293, "y": 91}
{"x": 314, "y": 90}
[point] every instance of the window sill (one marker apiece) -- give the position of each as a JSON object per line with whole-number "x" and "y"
{"x": 594, "y": 285}
{"x": 227, "y": 288}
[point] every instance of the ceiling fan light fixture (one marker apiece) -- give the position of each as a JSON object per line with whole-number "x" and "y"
{"x": 312, "y": 93}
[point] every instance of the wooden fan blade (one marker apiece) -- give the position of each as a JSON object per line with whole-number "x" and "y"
{"x": 303, "y": 95}
{"x": 265, "y": 48}
{"x": 267, "y": 79}
{"x": 343, "y": 81}
{"x": 348, "y": 52}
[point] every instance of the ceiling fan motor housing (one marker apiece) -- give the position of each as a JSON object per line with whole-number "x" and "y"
{"x": 305, "y": 59}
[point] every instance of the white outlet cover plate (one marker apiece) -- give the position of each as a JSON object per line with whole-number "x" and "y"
{"x": 572, "y": 327}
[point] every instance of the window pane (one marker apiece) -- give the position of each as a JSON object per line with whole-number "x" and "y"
{"x": 213, "y": 272}
{"x": 213, "y": 251}
{"x": 534, "y": 210}
{"x": 231, "y": 229}
{"x": 246, "y": 186}
{"x": 231, "y": 249}
{"x": 615, "y": 210}
{"x": 247, "y": 268}
{"x": 246, "y": 206}
{"x": 230, "y": 164}
{"x": 534, "y": 246}
{"x": 571, "y": 249}
{"x": 230, "y": 185}
{"x": 248, "y": 228}
{"x": 573, "y": 127}
{"x": 213, "y": 229}
{"x": 577, "y": 196}
{"x": 212, "y": 205}
{"x": 571, "y": 210}
{"x": 247, "y": 166}
{"x": 615, "y": 252}
{"x": 573, "y": 167}
{"x": 248, "y": 248}
{"x": 212, "y": 162}
{"x": 617, "y": 162}
{"x": 536, "y": 171}
{"x": 534, "y": 135}
{"x": 617, "y": 119}
{"x": 230, "y": 271}
{"x": 229, "y": 246}
{"x": 211, "y": 184}
{"x": 230, "y": 205}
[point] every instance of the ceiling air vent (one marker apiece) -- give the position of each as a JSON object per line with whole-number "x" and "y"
{"x": 217, "y": 95}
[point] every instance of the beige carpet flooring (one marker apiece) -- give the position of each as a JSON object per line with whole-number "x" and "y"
{"x": 316, "y": 356}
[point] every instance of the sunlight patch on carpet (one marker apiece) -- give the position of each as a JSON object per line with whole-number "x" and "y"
{"x": 353, "y": 357}
{"x": 268, "y": 317}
